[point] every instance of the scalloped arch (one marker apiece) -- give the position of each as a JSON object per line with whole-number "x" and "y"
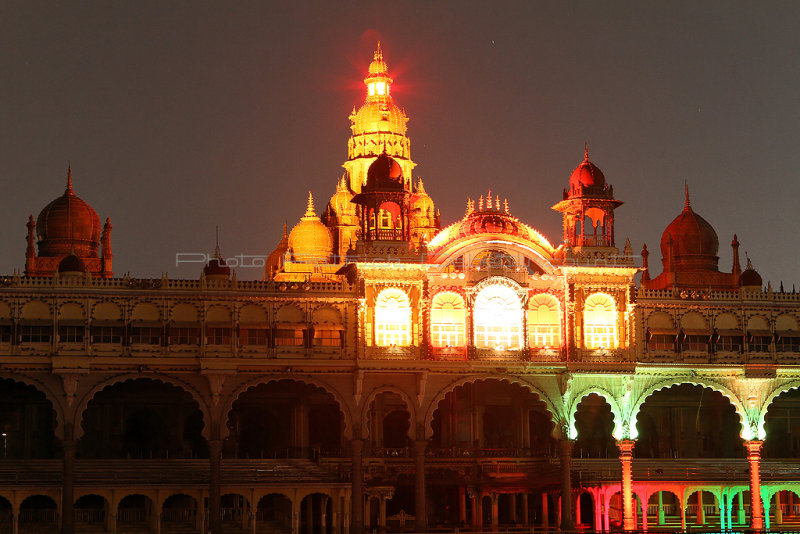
{"x": 483, "y": 378}
{"x": 410, "y": 404}
{"x": 762, "y": 415}
{"x": 305, "y": 379}
{"x": 58, "y": 431}
{"x": 619, "y": 423}
{"x": 746, "y": 430}
{"x": 198, "y": 398}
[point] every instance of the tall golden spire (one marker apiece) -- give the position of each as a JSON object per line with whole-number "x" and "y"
{"x": 310, "y": 208}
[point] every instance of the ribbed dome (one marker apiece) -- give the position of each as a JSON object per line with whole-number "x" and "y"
{"x": 68, "y": 224}
{"x": 384, "y": 174}
{"x": 379, "y": 116}
{"x": 694, "y": 242}
{"x": 310, "y": 241}
{"x": 421, "y": 201}
{"x": 587, "y": 174}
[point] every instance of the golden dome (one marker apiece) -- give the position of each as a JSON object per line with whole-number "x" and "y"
{"x": 341, "y": 202}
{"x": 310, "y": 241}
{"x": 378, "y": 66}
{"x": 376, "y": 117}
{"x": 421, "y": 201}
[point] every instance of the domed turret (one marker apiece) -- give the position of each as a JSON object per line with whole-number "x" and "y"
{"x": 690, "y": 241}
{"x": 587, "y": 174}
{"x": 68, "y": 224}
{"x": 384, "y": 175}
{"x": 217, "y": 268}
{"x": 310, "y": 241}
{"x": 750, "y": 278}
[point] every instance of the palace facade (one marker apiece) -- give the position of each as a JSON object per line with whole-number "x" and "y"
{"x": 392, "y": 373}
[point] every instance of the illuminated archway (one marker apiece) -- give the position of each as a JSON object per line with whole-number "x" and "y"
{"x": 447, "y": 320}
{"x": 600, "y": 322}
{"x": 544, "y": 322}
{"x": 392, "y": 318}
{"x": 498, "y": 318}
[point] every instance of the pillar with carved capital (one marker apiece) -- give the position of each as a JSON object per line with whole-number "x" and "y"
{"x": 626, "y": 458}
{"x": 754, "y": 457}
{"x": 214, "y": 486}
{"x": 565, "y": 457}
{"x": 68, "y": 482}
{"x": 420, "y": 515}
{"x": 357, "y": 516}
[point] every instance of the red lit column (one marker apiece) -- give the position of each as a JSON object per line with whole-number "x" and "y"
{"x": 565, "y": 449}
{"x": 754, "y": 457}
{"x": 420, "y": 519}
{"x": 625, "y": 458}
{"x": 68, "y": 488}
{"x": 357, "y": 482}
{"x": 215, "y": 482}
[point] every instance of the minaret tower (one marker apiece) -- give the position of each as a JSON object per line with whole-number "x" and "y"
{"x": 588, "y": 208}
{"x": 378, "y": 126}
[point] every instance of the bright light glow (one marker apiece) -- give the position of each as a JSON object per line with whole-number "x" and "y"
{"x": 544, "y": 322}
{"x": 498, "y": 319}
{"x": 600, "y": 322}
{"x": 392, "y": 318}
{"x": 380, "y": 88}
{"x": 371, "y": 87}
{"x": 448, "y": 316}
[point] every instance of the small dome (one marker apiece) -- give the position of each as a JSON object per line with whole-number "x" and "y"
{"x": 379, "y": 116}
{"x": 750, "y": 277}
{"x": 71, "y": 264}
{"x": 384, "y": 174}
{"x": 217, "y": 268}
{"x": 310, "y": 241}
{"x": 421, "y": 201}
{"x": 68, "y": 224}
{"x": 378, "y": 66}
{"x": 341, "y": 202}
{"x": 694, "y": 242}
{"x": 587, "y": 174}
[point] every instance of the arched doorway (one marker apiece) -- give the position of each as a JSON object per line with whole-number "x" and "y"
{"x": 38, "y": 513}
{"x": 274, "y": 513}
{"x": 316, "y": 514}
{"x": 134, "y": 513}
{"x": 235, "y": 512}
{"x": 142, "y": 418}
{"x": 388, "y": 424}
{"x": 27, "y": 422}
{"x": 594, "y": 422}
{"x": 90, "y": 513}
{"x": 284, "y": 419}
{"x": 780, "y": 423}
{"x": 179, "y": 513}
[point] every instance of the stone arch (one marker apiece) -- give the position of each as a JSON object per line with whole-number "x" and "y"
{"x": 745, "y": 433}
{"x": 218, "y": 314}
{"x": 71, "y": 311}
{"x": 184, "y": 312}
{"x": 146, "y": 311}
{"x": 35, "y": 309}
{"x": 693, "y": 320}
{"x": 761, "y": 431}
{"x": 433, "y": 406}
{"x": 106, "y": 310}
{"x": 410, "y": 405}
{"x": 619, "y": 424}
{"x": 55, "y": 402}
{"x": 347, "y": 417}
{"x": 660, "y": 320}
{"x": 80, "y": 409}
{"x": 727, "y": 321}
{"x": 253, "y": 314}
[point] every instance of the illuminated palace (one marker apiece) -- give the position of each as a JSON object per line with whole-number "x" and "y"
{"x": 391, "y": 373}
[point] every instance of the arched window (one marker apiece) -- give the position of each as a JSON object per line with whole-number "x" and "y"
{"x": 392, "y": 318}
{"x": 600, "y": 322}
{"x": 498, "y": 319}
{"x": 447, "y": 320}
{"x": 544, "y": 322}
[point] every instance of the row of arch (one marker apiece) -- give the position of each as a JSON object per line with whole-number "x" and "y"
{"x": 696, "y": 321}
{"x": 498, "y": 319}
{"x": 751, "y": 418}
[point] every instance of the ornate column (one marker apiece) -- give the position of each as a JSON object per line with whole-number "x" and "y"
{"x": 420, "y": 519}
{"x": 722, "y": 512}
{"x": 565, "y": 451}
{"x": 625, "y": 458}
{"x": 68, "y": 481}
{"x": 756, "y": 510}
{"x": 700, "y": 516}
{"x": 462, "y": 506}
{"x": 495, "y": 510}
{"x": 660, "y": 508}
{"x": 357, "y": 515}
{"x": 545, "y": 511}
{"x": 778, "y": 511}
{"x": 525, "y": 511}
{"x": 513, "y": 507}
{"x": 215, "y": 482}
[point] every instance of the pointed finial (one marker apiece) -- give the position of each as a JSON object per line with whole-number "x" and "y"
{"x": 749, "y": 265}
{"x": 379, "y": 52}
{"x": 310, "y": 208}
{"x": 69, "y": 177}
{"x": 686, "y": 185}
{"x": 480, "y": 203}
{"x": 216, "y": 248}
{"x": 497, "y": 203}
{"x": 420, "y": 186}
{"x": 285, "y": 232}
{"x": 585, "y": 151}
{"x": 489, "y": 200}
{"x": 505, "y": 205}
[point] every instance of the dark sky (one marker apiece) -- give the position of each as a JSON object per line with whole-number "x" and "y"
{"x": 179, "y": 116}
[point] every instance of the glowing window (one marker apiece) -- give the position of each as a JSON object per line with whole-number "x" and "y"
{"x": 371, "y": 89}
{"x": 498, "y": 319}
{"x": 600, "y": 322}
{"x": 447, "y": 320}
{"x": 380, "y": 87}
{"x": 544, "y": 322}
{"x": 392, "y": 318}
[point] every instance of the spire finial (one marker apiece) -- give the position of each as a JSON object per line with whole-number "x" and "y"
{"x": 216, "y": 248}
{"x": 69, "y": 177}
{"x": 585, "y": 151}
{"x": 310, "y": 208}
{"x": 686, "y": 185}
{"x": 379, "y": 52}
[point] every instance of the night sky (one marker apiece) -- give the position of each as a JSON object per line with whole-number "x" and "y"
{"x": 180, "y": 116}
